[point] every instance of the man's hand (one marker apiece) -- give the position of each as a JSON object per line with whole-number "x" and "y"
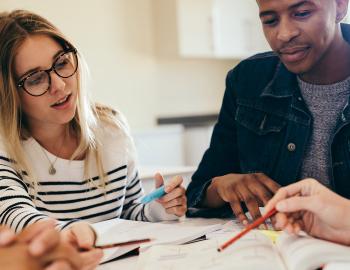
{"x": 252, "y": 189}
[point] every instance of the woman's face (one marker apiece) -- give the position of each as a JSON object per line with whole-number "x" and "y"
{"x": 58, "y": 105}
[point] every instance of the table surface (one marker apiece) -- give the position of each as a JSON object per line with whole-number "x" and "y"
{"x": 130, "y": 263}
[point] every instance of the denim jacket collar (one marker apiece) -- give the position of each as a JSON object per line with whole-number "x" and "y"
{"x": 282, "y": 84}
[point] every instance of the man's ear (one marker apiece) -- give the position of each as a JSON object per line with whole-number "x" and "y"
{"x": 341, "y": 9}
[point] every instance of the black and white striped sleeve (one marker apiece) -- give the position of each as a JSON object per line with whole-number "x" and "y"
{"x": 132, "y": 208}
{"x": 17, "y": 209}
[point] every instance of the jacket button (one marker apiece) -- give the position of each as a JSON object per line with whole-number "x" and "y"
{"x": 291, "y": 147}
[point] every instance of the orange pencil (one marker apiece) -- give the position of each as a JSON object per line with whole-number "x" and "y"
{"x": 255, "y": 224}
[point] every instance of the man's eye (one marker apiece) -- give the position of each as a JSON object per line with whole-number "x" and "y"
{"x": 302, "y": 14}
{"x": 269, "y": 22}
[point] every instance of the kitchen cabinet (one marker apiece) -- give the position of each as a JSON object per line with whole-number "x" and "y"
{"x": 219, "y": 29}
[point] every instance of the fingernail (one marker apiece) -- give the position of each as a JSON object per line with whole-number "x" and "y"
{"x": 245, "y": 222}
{"x": 6, "y": 237}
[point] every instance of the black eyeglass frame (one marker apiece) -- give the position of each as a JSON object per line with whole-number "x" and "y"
{"x": 20, "y": 84}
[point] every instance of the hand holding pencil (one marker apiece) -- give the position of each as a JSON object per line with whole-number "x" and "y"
{"x": 82, "y": 236}
{"x": 309, "y": 206}
{"x": 250, "y": 227}
{"x": 174, "y": 201}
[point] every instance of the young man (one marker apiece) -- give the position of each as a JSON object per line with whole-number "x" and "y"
{"x": 285, "y": 114}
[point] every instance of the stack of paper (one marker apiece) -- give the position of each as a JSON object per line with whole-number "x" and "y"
{"x": 119, "y": 230}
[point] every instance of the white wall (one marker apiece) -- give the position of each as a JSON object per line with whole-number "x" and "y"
{"x": 134, "y": 68}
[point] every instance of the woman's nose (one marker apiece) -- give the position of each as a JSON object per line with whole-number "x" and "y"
{"x": 57, "y": 83}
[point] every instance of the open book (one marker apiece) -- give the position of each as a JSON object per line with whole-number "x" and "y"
{"x": 254, "y": 251}
{"x": 120, "y": 230}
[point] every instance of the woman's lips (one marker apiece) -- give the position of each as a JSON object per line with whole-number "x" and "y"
{"x": 63, "y": 105}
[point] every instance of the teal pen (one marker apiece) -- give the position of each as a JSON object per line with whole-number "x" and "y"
{"x": 156, "y": 194}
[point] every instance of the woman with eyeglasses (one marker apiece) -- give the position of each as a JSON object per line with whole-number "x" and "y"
{"x": 61, "y": 155}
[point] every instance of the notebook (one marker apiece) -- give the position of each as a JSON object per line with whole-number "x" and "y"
{"x": 120, "y": 230}
{"x": 253, "y": 251}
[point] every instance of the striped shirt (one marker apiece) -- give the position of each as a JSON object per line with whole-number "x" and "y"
{"x": 67, "y": 195}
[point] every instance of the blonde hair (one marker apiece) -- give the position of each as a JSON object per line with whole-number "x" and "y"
{"x": 15, "y": 27}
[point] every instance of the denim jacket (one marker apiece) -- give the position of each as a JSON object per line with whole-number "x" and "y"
{"x": 265, "y": 126}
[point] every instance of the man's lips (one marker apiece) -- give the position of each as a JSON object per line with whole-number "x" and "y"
{"x": 293, "y": 49}
{"x": 294, "y": 54}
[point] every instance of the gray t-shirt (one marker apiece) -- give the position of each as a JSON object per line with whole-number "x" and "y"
{"x": 325, "y": 103}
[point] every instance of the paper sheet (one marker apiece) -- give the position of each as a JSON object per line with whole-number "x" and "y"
{"x": 120, "y": 230}
{"x": 251, "y": 251}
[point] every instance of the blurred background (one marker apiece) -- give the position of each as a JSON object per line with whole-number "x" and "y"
{"x": 162, "y": 63}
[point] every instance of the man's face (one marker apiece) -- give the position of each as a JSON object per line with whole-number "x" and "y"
{"x": 300, "y": 32}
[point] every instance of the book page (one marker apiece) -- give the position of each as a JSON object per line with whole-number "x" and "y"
{"x": 227, "y": 230}
{"x": 337, "y": 266}
{"x": 306, "y": 253}
{"x": 253, "y": 251}
{"x": 120, "y": 230}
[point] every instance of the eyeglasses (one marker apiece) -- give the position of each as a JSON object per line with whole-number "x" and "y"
{"x": 39, "y": 82}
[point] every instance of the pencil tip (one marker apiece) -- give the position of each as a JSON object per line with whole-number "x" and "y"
{"x": 219, "y": 249}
